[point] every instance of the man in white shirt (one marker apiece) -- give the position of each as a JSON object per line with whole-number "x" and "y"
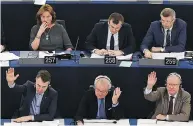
{"x": 172, "y": 102}
{"x": 113, "y": 37}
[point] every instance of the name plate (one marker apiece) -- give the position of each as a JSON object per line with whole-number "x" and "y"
{"x": 158, "y": 62}
{"x": 110, "y": 60}
{"x": 50, "y": 59}
{"x": 172, "y": 61}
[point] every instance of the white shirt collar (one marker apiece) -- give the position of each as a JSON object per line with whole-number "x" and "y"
{"x": 168, "y": 29}
{"x": 174, "y": 95}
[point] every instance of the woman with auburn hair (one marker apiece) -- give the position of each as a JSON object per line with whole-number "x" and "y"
{"x": 48, "y": 35}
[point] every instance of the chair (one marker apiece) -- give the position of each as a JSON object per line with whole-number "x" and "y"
{"x": 62, "y": 22}
{"x": 103, "y": 20}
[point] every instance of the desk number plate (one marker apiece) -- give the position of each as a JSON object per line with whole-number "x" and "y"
{"x": 110, "y": 60}
{"x": 171, "y": 61}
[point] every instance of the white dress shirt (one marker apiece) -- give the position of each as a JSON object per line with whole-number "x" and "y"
{"x": 116, "y": 40}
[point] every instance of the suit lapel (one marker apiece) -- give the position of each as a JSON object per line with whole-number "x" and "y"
{"x": 120, "y": 37}
{"x": 166, "y": 104}
{"x": 32, "y": 95}
{"x": 177, "y": 103}
{"x": 94, "y": 105}
{"x": 173, "y": 33}
{"x": 105, "y": 34}
{"x": 162, "y": 32}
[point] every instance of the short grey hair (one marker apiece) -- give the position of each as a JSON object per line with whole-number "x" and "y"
{"x": 166, "y": 12}
{"x": 176, "y": 75}
{"x": 100, "y": 78}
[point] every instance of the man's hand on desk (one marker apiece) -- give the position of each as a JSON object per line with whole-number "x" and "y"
{"x": 156, "y": 49}
{"x": 161, "y": 117}
{"x": 80, "y": 123}
{"x": 23, "y": 119}
{"x": 10, "y": 76}
{"x": 2, "y": 47}
{"x": 147, "y": 54}
{"x": 115, "y": 52}
{"x": 68, "y": 49}
{"x": 101, "y": 52}
{"x": 116, "y": 95}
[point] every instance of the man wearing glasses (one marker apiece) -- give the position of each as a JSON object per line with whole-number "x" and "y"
{"x": 166, "y": 35}
{"x": 100, "y": 102}
{"x": 111, "y": 38}
{"x": 172, "y": 102}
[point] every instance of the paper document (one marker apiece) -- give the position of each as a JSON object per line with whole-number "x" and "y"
{"x": 39, "y": 2}
{"x": 12, "y": 124}
{"x": 123, "y": 122}
{"x": 166, "y": 123}
{"x": 179, "y": 55}
{"x": 146, "y": 121}
{"x": 8, "y": 56}
{"x": 125, "y": 64}
{"x": 127, "y": 57}
{"x": 42, "y": 54}
{"x": 98, "y": 121}
{"x": 4, "y": 63}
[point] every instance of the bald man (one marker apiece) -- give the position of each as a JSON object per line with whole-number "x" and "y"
{"x": 100, "y": 102}
{"x": 172, "y": 102}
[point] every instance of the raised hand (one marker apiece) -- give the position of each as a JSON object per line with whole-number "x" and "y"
{"x": 10, "y": 76}
{"x": 152, "y": 79}
{"x": 116, "y": 95}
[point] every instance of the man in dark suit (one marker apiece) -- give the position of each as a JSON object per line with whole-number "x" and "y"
{"x": 100, "y": 103}
{"x": 113, "y": 37}
{"x": 39, "y": 99}
{"x": 2, "y": 43}
{"x": 172, "y": 102}
{"x": 167, "y": 35}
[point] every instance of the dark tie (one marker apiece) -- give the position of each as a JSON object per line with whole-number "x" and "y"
{"x": 112, "y": 43}
{"x": 168, "y": 40}
{"x": 102, "y": 114}
{"x": 170, "y": 105}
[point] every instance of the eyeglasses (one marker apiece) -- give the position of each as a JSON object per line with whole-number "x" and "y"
{"x": 103, "y": 92}
{"x": 172, "y": 85}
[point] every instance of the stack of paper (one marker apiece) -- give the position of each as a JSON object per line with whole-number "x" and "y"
{"x": 42, "y": 54}
{"x": 146, "y": 122}
{"x": 123, "y": 122}
{"x": 178, "y": 56}
{"x": 4, "y": 63}
{"x": 5, "y": 56}
{"x": 126, "y": 57}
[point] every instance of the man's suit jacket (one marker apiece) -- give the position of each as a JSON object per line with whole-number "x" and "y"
{"x": 155, "y": 36}
{"x": 88, "y": 107}
{"x": 98, "y": 38}
{"x": 48, "y": 104}
{"x": 182, "y": 105}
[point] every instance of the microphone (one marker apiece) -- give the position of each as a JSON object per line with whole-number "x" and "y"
{"x": 74, "y": 54}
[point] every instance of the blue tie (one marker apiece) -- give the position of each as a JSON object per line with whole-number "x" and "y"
{"x": 102, "y": 114}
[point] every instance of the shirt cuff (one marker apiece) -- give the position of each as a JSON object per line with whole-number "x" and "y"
{"x": 93, "y": 50}
{"x": 144, "y": 50}
{"x": 167, "y": 117}
{"x": 32, "y": 117}
{"x": 147, "y": 91}
{"x": 115, "y": 105}
{"x": 11, "y": 86}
